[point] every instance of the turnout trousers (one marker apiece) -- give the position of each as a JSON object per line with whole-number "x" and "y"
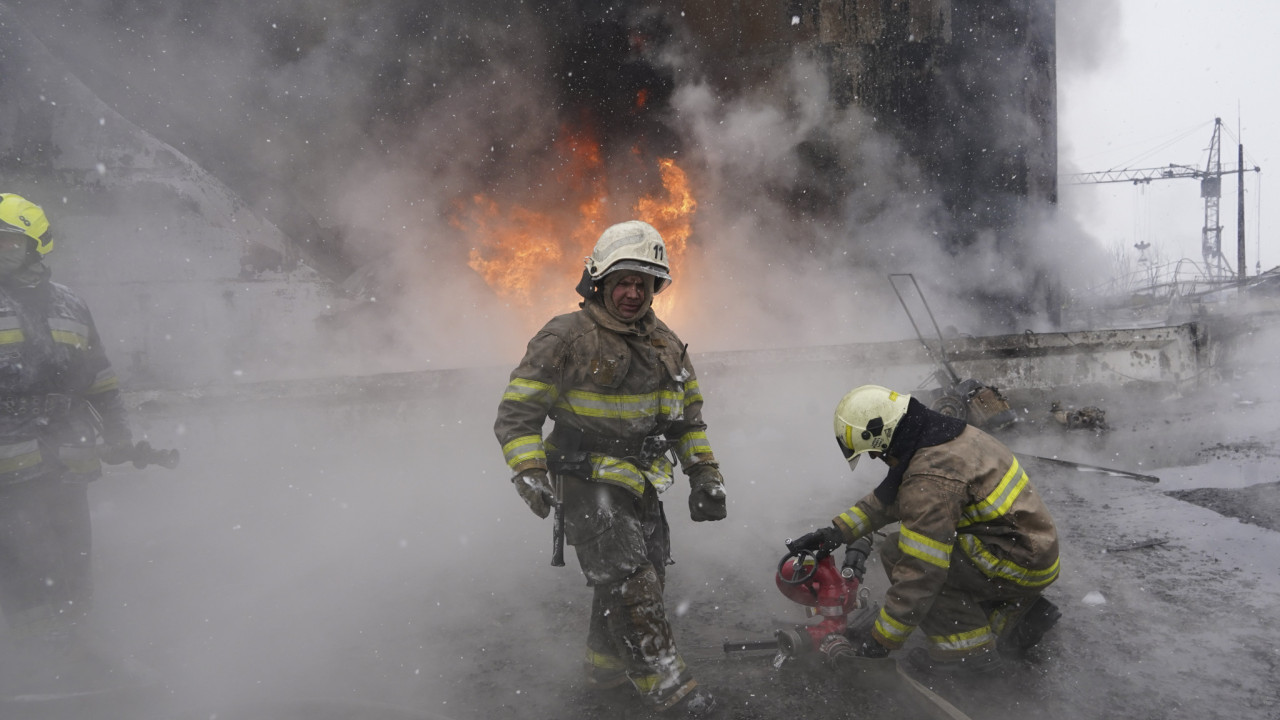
{"x": 623, "y": 546}
{"x": 972, "y": 612}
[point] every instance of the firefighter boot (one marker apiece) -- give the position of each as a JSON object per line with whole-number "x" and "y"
{"x": 1030, "y": 629}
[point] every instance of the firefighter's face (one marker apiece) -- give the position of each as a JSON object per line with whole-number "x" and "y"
{"x": 13, "y": 252}
{"x": 629, "y": 295}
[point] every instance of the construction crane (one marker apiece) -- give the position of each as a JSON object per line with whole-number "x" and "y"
{"x": 1210, "y": 189}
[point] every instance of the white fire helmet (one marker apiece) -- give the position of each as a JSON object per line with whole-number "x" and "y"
{"x": 866, "y": 419}
{"x": 631, "y": 245}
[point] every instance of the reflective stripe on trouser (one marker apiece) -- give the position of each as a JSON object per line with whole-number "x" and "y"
{"x": 621, "y": 543}
{"x": 959, "y": 623}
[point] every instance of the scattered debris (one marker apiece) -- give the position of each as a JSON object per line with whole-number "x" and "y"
{"x": 1090, "y": 468}
{"x": 976, "y": 403}
{"x": 1154, "y": 542}
{"x": 1090, "y": 418}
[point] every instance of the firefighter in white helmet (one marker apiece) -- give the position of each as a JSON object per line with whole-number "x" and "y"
{"x": 59, "y": 403}
{"x": 976, "y": 546}
{"x": 622, "y": 392}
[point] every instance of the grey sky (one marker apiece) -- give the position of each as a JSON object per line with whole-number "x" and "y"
{"x": 1140, "y": 83}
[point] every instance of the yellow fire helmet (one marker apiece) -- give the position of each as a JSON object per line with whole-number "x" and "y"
{"x": 20, "y": 215}
{"x": 866, "y": 419}
{"x": 631, "y": 245}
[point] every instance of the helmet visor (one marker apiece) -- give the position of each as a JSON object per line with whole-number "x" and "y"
{"x": 644, "y": 267}
{"x": 661, "y": 278}
{"x": 850, "y": 456}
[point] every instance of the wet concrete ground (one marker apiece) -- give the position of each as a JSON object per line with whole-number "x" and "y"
{"x": 370, "y": 560}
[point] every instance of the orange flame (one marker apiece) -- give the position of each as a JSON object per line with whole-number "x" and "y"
{"x": 533, "y": 259}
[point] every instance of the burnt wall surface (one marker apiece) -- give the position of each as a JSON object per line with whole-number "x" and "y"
{"x": 968, "y": 87}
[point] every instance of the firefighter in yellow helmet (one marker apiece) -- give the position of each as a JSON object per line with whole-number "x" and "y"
{"x": 622, "y": 392}
{"x": 59, "y": 401}
{"x": 975, "y": 548}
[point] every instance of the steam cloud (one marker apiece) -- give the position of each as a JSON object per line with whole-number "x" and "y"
{"x": 358, "y": 128}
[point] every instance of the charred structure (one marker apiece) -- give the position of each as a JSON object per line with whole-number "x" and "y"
{"x": 965, "y": 86}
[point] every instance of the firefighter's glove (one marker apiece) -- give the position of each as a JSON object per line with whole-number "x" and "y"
{"x": 117, "y": 454}
{"x": 706, "y": 493}
{"x": 864, "y": 645}
{"x": 827, "y": 538}
{"x": 534, "y": 486}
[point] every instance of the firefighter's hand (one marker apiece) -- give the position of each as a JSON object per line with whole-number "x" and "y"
{"x": 534, "y": 487}
{"x": 706, "y": 493}
{"x": 864, "y": 645}
{"x": 826, "y": 538}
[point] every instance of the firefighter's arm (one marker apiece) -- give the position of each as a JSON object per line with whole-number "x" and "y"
{"x": 103, "y": 394}
{"x": 529, "y": 397}
{"x": 930, "y": 510}
{"x": 864, "y": 518}
{"x": 707, "y": 498}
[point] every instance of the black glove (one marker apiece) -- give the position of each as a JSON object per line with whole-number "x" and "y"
{"x": 706, "y": 493}
{"x": 827, "y": 538}
{"x": 864, "y": 645}
{"x": 534, "y": 486}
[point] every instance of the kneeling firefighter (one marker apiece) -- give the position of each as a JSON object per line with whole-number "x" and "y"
{"x": 976, "y": 547}
{"x": 620, "y": 388}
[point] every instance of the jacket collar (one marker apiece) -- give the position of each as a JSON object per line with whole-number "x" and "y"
{"x": 920, "y": 427}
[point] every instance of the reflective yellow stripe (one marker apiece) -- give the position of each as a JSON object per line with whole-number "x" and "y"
{"x": 19, "y": 456}
{"x": 691, "y": 445}
{"x": 892, "y": 630}
{"x": 1000, "y": 500}
{"x": 67, "y": 338}
{"x": 69, "y": 332}
{"x": 618, "y": 472}
{"x": 964, "y": 642}
{"x": 531, "y": 391}
{"x": 603, "y": 661}
{"x": 927, "y": 549}
{"x": 649, "y": 682}
{"x": 999, "y": 618}
{"x": 857, "y": 521}
{"x": 105, "y": 380}
{"x": 992, "y": 566}
{"x": 620, "y": 407}
{"x": 9, "y": 337}
{"x": 523, "y": 449}
{"x": 691, "y": 394}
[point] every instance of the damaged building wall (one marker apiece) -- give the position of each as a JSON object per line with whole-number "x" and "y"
{"x": 967, "y": 86}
